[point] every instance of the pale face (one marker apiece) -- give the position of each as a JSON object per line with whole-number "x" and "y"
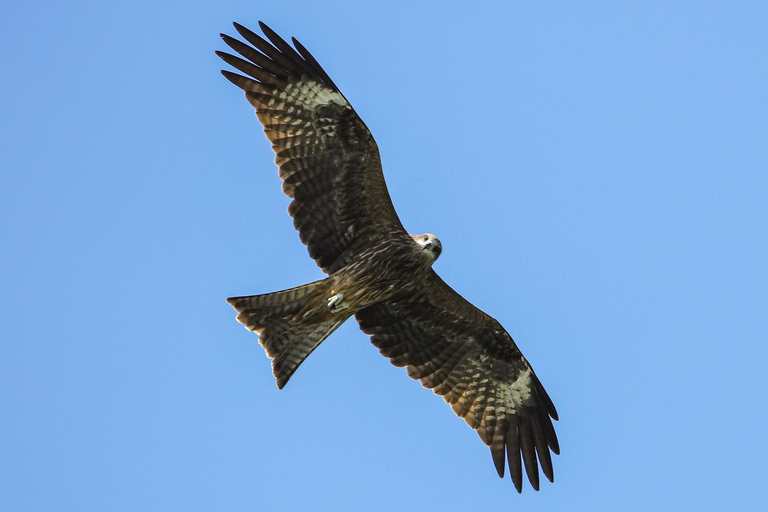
{"x": 430, "y": 245}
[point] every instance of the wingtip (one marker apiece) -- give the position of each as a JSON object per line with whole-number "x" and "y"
{"x": 243, "y": 30}
{"x": 242, "y": 82}
{"x": 267, "y": 30}
{"x": 498, "y": 456}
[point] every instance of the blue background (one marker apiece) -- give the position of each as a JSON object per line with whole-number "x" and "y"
{"x": 596, "y": 171}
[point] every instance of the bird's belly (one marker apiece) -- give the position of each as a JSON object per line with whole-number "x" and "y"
{"x": 371, "y": 289}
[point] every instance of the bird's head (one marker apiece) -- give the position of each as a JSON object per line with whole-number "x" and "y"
{"x": 430, "y": 246}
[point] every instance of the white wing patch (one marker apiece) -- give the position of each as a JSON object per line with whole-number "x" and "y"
{"x": 519, "y": 392}
{"x": 312, "y": 94}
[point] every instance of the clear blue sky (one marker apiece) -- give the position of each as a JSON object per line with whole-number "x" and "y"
{"x": 596, "y": 171}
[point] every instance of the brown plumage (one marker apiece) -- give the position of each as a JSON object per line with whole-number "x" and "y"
{"x": 330, "y": 167}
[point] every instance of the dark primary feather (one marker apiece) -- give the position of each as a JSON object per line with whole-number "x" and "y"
{"x": 467, "y": 357}
{"x": 328, "y": 160}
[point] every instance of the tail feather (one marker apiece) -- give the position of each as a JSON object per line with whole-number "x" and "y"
{"x": 256, "y": 311}
{"x": 297, "y": 341}
{"x": 284, "y": 332}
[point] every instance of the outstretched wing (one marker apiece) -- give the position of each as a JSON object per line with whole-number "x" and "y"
{"x": 467, "y": 357}
{"x": 328, "y": 160}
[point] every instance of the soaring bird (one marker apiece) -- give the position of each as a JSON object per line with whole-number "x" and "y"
{"x": 377, "y": 271}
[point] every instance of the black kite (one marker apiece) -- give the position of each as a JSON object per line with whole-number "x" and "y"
{"x": 377, "y": 271}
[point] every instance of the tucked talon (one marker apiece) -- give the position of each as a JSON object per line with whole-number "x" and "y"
{"x": 335, "y": 303}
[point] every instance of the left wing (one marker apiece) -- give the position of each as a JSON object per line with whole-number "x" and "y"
{"x": 466, "y": 356}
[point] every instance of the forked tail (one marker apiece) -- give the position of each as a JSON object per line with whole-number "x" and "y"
{"x": 286, "y": 330}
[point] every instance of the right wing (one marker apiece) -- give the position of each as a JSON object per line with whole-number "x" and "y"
{"x": 328, "y": 159}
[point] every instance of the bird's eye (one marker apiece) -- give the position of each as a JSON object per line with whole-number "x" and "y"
{"x": 426, "y": 237}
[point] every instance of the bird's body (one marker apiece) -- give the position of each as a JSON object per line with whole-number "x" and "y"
{"x": 363, "y": 281}
{"x": 368, "y": 279}
{"x": 377, "y": 271}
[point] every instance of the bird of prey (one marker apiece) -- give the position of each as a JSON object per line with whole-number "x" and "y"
{"x": 377, "y": 272}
